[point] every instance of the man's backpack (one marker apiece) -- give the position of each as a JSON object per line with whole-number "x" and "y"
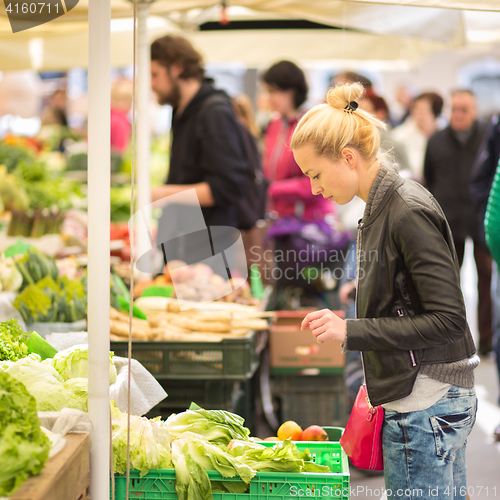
{"x": 252, "y": 205}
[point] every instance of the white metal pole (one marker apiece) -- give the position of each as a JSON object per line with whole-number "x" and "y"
{"x": 143, "y": 126}
{"x": 99, "y": 181}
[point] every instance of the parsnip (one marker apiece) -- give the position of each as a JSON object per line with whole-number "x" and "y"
{"x": 250, "y": 324}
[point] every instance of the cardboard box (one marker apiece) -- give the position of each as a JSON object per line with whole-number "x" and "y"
{"x": 292, "y": 348}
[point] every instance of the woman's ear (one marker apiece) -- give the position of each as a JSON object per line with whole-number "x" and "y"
{"x": 349, "y": 156}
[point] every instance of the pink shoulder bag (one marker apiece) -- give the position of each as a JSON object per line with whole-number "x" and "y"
{"x": 362, "y": 437}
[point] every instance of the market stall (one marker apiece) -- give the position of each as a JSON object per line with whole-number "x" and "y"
{"x": 99, "y": 296}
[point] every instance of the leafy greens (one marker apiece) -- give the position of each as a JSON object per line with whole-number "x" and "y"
{"x": 218, "y": 426}
{"x": 12, "y": 341}
{"x": 193, "y": 455}
{"x": 284, "y": 456}
{"x": 24, "y": 447}
{"x": 149, "y": 443}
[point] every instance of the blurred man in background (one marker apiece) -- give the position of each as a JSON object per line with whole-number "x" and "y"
{"x": 448, "y": 165}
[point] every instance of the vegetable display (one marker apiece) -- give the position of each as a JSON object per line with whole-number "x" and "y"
{"x": 41, "y": 381}
{"x": 63, "y": 300}
{"x": 34, "y": 266}
{"x": 282, "y": 457}
{"x": 192, "y": 456}
{"x": 10, "y": 277}
{"x": 24, "y": 448}
{"x": 149, "y": 443}
{"x": 46, "y": 385}
{"x": 218, "y": 426}
{"x": 165, "y": 321}
{"x": 12, "y": 341}
{"x": 11, "y": 155}
{"x": 74, "y": 362}
{"x": 201, "y": 440}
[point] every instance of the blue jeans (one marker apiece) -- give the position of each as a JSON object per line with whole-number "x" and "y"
{"x": 424, "y": 451}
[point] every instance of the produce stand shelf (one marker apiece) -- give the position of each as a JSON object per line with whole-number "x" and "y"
{"x": 234, "y": 359}
{"x": 65, "y": 476}
{"x": 160, "y": 484}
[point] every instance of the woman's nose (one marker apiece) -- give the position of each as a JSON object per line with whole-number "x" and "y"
{"x": 315, "y": 188}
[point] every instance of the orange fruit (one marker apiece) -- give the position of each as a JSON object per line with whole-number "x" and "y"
{"x": 314, "y": 433}
{"x": 290, "y": 429}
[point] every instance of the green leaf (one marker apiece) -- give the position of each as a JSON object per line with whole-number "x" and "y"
{"x": 73, "y": 362}
{"x": 284, "y": 456}
{"x": 12, "y": 341}
{"x": 24, "y": 447}
{"x": 215, "y": 425}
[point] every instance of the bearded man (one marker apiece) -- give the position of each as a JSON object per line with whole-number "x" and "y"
{"x": 207, "y": 152}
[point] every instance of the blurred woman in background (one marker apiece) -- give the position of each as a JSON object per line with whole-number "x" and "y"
{"x": 415, "y": 131}
{"x": 292, "y": 208}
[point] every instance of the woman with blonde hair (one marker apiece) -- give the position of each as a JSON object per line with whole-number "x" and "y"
{"x": 418, "y": 353}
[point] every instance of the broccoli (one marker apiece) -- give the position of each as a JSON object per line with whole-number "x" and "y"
{"x": 46, "y": 301}
{"x": 35, "y": 305}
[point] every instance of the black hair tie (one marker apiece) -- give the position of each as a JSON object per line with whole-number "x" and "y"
{"x": 351, "y": 107}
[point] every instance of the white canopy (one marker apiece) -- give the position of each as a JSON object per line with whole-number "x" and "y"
{"x": 389, "y": 32}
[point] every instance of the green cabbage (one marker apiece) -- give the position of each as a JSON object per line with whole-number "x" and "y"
{"x": 73, "y": 362}
{"x": 24, "y": 447}
{"x": 46, "y": 385}
{"x": 149, "y": 443}
{"x": 79, "y": 391}
{"x": 219, "y": 426}
{"x": 41, "y": 381}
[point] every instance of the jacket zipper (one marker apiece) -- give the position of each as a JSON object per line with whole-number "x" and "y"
{"x": 412, "y": 356}
{"x": 358, "y": 252}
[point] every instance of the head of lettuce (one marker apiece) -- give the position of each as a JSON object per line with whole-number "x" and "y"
{"x": 24, "y": 447}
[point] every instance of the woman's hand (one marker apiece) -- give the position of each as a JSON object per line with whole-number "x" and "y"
{"x": 325, "y": 325}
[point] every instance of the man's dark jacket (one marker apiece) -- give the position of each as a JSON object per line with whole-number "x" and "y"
{"x": 447, "y": 172}
{"x": 215, "y": 156}
{"x": 409, "y": 303}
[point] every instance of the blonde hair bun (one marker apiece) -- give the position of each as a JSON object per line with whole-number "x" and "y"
{"x": 343, "y": 93}
{"x": 332, "y": 126}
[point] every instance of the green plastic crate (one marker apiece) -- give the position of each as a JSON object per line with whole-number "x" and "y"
{"x": 160, "y": 484}
{"x": 213, "y": 394}
{"x": 235, "y": 359}
{"x": 311, "y": 400}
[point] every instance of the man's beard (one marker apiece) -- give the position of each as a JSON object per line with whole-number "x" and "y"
{"x": 173, "y": 97}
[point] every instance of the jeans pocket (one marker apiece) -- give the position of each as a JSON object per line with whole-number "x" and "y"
{"x": 451, "y": 431}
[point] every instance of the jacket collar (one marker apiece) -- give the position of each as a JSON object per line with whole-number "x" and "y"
{"x": 385, "y": 183}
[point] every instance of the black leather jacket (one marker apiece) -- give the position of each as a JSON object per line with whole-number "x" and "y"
{"x": 409, "y": 302}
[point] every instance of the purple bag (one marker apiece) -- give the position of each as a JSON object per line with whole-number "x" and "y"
{"x": 315, "y": 237}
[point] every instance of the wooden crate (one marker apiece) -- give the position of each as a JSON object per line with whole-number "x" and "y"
{"x": 65, "y": 476}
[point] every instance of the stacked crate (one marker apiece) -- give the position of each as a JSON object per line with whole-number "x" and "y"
{"x": 214, "y": 375}
{"x": 307, "y": 378}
